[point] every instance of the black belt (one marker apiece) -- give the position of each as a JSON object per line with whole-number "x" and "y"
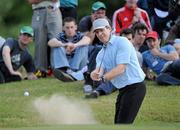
{"x": 48, "y": 7}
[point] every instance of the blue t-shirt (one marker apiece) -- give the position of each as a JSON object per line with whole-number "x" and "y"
{"x": 119, "y": 50}
{"x": 156, "y": 63}
{"x": 19, "y": 57}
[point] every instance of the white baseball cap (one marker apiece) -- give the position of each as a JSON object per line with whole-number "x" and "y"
{"x": 100, "y": 23}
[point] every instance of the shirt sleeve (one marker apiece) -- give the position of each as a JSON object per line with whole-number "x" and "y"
{"x": 170, "y": 49}
{"x": 10, "y": 43}
{"x": 84, "y": 25}
{"x": 124, "y": 51}
{"x": 116, "y": 23}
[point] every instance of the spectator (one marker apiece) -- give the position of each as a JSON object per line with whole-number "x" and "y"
{"x": 174, "y": 11}
{"x": 159, "y": 11}
{"x": 128, "y": 33}
{"x": 47, "y": 23}
{"x": 117, "y": 65}
{"x": 69, "y": 52}
{"x": 140, "y": 31}
{"x": 14, "y": 54}
{"x": 85, "y": 26}
{"x": 163, "y": 61}
{"x": 128, "y": 15}
{"x": 68, "y": 8}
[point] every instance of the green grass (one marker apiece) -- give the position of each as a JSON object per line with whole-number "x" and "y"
{"x": 160, "y": 109}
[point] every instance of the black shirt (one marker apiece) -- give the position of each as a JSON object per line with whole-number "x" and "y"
{"x": 19, "y": 57}
{"x": 85, "y": 25}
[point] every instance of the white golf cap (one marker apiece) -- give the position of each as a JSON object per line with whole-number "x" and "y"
{"x": 100, "y": 23}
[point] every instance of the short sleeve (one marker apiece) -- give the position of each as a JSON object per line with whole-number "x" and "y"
{"x": 10, "y": 43}
{"x": 85, "y": 24}
{"x": 170, "y": 49}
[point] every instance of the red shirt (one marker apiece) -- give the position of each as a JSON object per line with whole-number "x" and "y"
{"x": 123, "y": 17}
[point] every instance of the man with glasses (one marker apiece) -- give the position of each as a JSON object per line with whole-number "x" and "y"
{"x": 14, "y": 54}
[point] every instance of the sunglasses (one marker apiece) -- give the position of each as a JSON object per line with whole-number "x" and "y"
{"x": 26, "y": 34}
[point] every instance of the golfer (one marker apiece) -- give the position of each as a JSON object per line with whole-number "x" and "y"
{"x": 117, "y": 65}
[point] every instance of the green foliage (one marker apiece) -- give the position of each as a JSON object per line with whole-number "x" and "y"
{"x": 15, "y": 13}
{"x": 160, "y": 107}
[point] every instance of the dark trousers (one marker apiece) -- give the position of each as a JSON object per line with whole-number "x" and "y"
{"x": 6, "y": 76}
{"x": 92, "y": 53}
{"x": 160, "y": 24}
{"x": 128, "y": 103}
{"x": 69, "y": 12}
{"x": 171, "y": 75}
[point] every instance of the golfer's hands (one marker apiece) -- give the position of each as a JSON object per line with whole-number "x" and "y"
{"x": 95, "y": 75}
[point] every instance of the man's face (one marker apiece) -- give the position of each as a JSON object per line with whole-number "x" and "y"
{"x": 101, "y": 13}
{"x": 131, "y": 3}
{"x": 103, "y": 34}
{"x": 70, "y": 29}
{"x": 139, "y": 37}
{"x": 152, "y": 43}
{"x": 25, "y": 38}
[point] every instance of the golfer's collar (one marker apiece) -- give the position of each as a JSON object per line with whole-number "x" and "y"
{"x": 111, "y": 41}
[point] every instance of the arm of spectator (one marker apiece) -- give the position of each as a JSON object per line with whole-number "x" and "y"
{"x": 7, "y": 60}
{"x": 167, "y": 56}
{"x": 116, "y": 24}
{"x": 31, "y": 76}
{"x": 149, "y": 73}
{"x": 55, "y": 43}
{"x": 83, "y": 42}
{"x": 118, "y": 70}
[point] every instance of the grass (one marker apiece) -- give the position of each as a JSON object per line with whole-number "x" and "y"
{"x": 160, "y": 109}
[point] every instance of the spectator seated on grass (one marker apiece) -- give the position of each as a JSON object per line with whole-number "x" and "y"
{"x": 14, "y": 54}
{"x": 69, "y": 52}
{"x": 164, "y": 61}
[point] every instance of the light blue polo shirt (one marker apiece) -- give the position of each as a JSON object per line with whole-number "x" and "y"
{"x": 120, "y": 51}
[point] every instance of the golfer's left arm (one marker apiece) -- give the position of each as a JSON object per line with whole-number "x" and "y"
{"x": 118, "y": 70}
